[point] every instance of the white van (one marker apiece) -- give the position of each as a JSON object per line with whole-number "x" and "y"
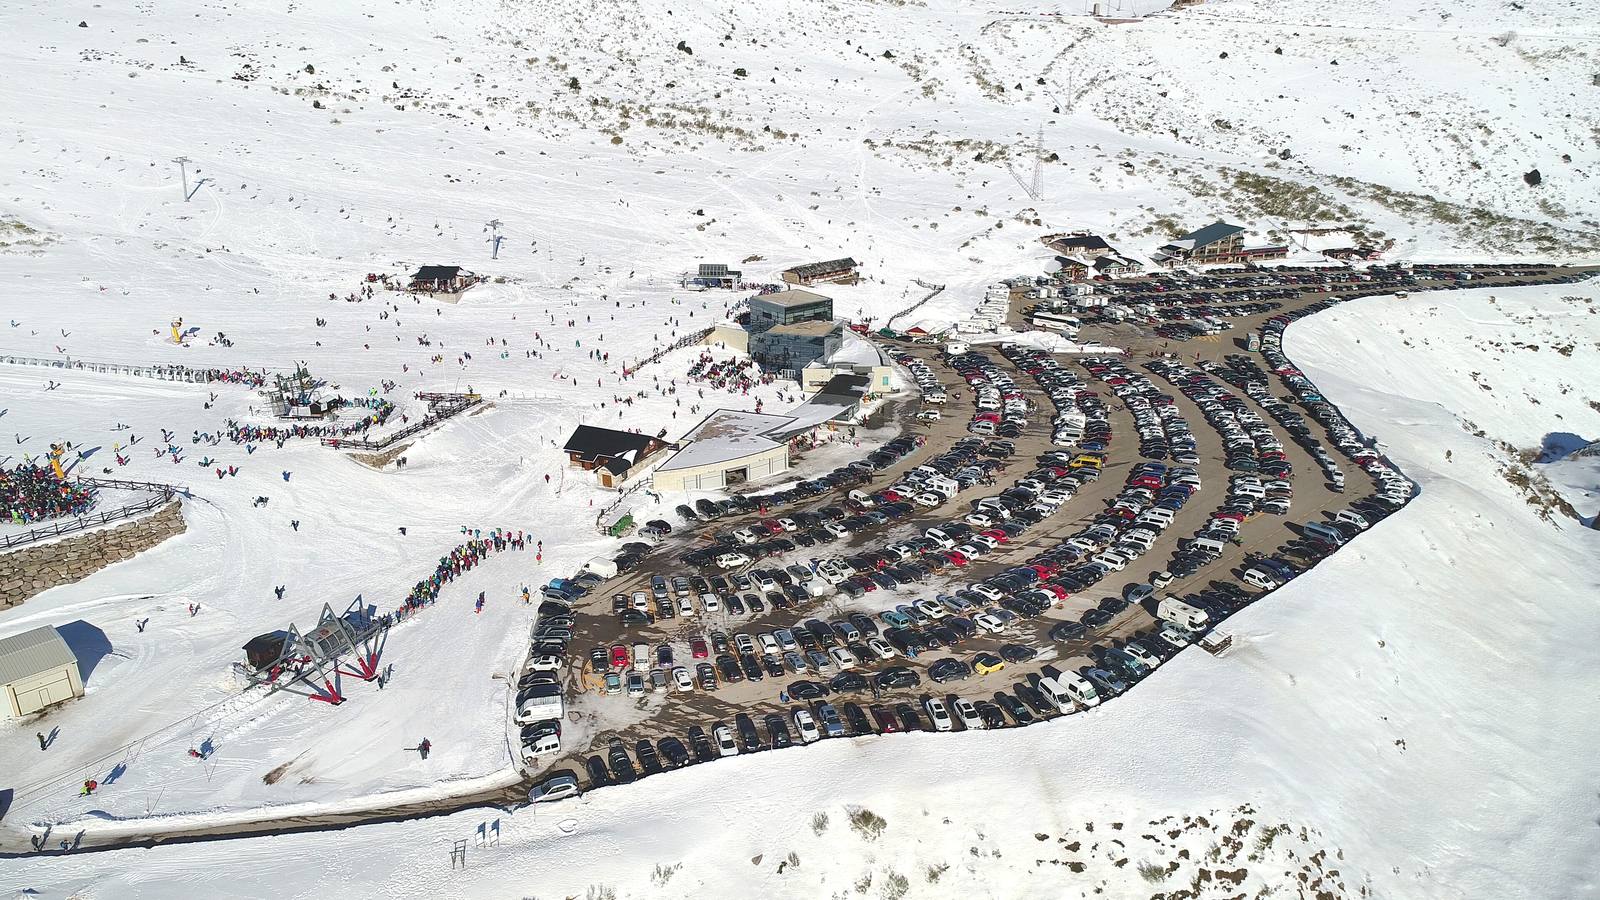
{"x": 1261, "y": 579}
{"x": 863, "y": 498}
{"x": 1055, "y": 693}
{"x": 543, "y": 745}
{"x": 1158, "y": 515}
{"x": 602, "y": 566}
{"x": 1353, "y": 517}
{"x": 1208, "y": 545}
{"x": 1181, "y": 614}
{"x": 1079, "y": 688}
{"x": 641, "y": 657}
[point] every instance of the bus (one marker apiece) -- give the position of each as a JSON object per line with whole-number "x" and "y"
{"x": 1054, "y": 321}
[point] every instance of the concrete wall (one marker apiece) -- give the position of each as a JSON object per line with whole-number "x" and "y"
{"x": 733, "y": 336}
{"x": 32, "y": 570}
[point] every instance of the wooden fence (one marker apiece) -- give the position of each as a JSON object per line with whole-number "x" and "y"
{"x": 440, "y": 408}
{"x": 161, "y": 494}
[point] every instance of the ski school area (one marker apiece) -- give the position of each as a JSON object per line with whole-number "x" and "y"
{"x": 336, "y": 621}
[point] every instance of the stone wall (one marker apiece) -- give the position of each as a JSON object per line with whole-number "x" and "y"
{"x": 32, "y": 570}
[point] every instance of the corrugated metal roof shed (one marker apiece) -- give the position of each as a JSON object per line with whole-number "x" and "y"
{"x": 32, "y": 652}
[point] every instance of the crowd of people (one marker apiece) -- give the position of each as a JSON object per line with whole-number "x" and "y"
{"x": 461, "y": 559}
{"x": 731, "y": 374}
{"x": 33, "y": 493}
{"x": 379, "y": 412}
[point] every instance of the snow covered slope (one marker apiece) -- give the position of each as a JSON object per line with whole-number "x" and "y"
{"x": 331, "y": 140}
{"x": 1404, "y": 721}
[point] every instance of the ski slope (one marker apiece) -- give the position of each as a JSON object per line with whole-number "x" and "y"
{"x": 329, "y": 141}
{"x": 1397, "y": 723}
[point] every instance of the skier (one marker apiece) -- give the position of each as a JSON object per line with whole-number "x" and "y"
{"x": 424, "y": 747}
{"x": 43, "y": 744}
{"x": 88, "y": 787}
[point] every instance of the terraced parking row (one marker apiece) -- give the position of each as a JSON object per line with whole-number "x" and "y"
{"x": 983, "y": 580}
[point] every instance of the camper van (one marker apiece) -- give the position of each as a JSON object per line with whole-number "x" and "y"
{"x": 602, "y": 566}
{"x": 1181, "y": 614}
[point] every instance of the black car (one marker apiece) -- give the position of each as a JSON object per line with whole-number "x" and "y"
{"x": 1017, "y": 653}
{"x": 648, "y": 758}
{"x": 843, "y": 682}
{"x": 600, "y": 660}
{"x": 855, "y": 719}
{"x": 990, "y": 714}
{"x": 778, "y": 730}
{"x": 1094, "y": 618}
{"x": 946, "y": 670}
{"x": 1031, "y": 696}
{"x": 751, "y": 666}
{"x": 749, "y": 738}
{"x": 1012, "y": 705}
{"x": 706, "y": 509}
{"x": 1068, "y": 631}
{"x": 807, "y": 690}
{"x": 863, "y": 624}
{"x": 898, "y": 677}
{"x": 622, "y": 770}
{"x": 686, "y": 513}
{"x": 701, "y": 745}
{"x": 909, "y": 720}
{"x": 598, "y": 776}
{"x": 728, "y": 668}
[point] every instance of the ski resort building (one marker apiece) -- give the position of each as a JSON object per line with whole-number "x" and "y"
{"x": 727, "y": 448}
{"x": 730, "y": 447}
{"x": 833, "y": 271}
{"x": 854, "y": 356}
{"x": 714, "y": 275}
{"x": 1083, "y": 255}
{"x": 442, "y": 279}
{"x": 788, "y": 308}
{"x": 38, "y": 670}
{"x": 788, "y": 349}
{"x": 1217, "y": 243}
{"x": 613, "y": 456}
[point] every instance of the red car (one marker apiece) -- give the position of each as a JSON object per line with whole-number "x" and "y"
{"x": 997, "y": 535}
{"x": 956, "y": 558}
{"x": 697, "y": 647}
{"x": 772, "y": 526}
{"x": 885, "y": 719}
{"x": 619, "y": 656}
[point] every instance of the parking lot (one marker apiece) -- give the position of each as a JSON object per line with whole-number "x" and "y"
{"x": 1063, "y": 527}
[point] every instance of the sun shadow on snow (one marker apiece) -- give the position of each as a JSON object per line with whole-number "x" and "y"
{"x": 1559, "y": 445}
{"x": 89, "y": 644}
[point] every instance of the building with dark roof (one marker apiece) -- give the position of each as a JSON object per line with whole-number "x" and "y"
{"x": 612, "y": 455}
{"x": 1216, "y": 243}
{"x": 832, "y": 271}
{"x": 447, "y": 279}
{"x": 787, "y": 308}
{"x": 1083, "y": 255}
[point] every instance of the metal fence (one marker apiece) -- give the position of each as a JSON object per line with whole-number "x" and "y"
{"x": 443, "y": 406}
{"x": 162, "y": 494}
{"x": 168, "y": 372}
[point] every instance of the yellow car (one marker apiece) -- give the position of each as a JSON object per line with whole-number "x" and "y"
{"x": 984, "y": 663}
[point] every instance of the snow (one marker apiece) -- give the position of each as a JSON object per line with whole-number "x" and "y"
{"x": 1459, "y": 631}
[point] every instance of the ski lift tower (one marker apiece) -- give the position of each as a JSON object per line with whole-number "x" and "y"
{"x": 311, "y": 664}
{"x": 298, "y": 395}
